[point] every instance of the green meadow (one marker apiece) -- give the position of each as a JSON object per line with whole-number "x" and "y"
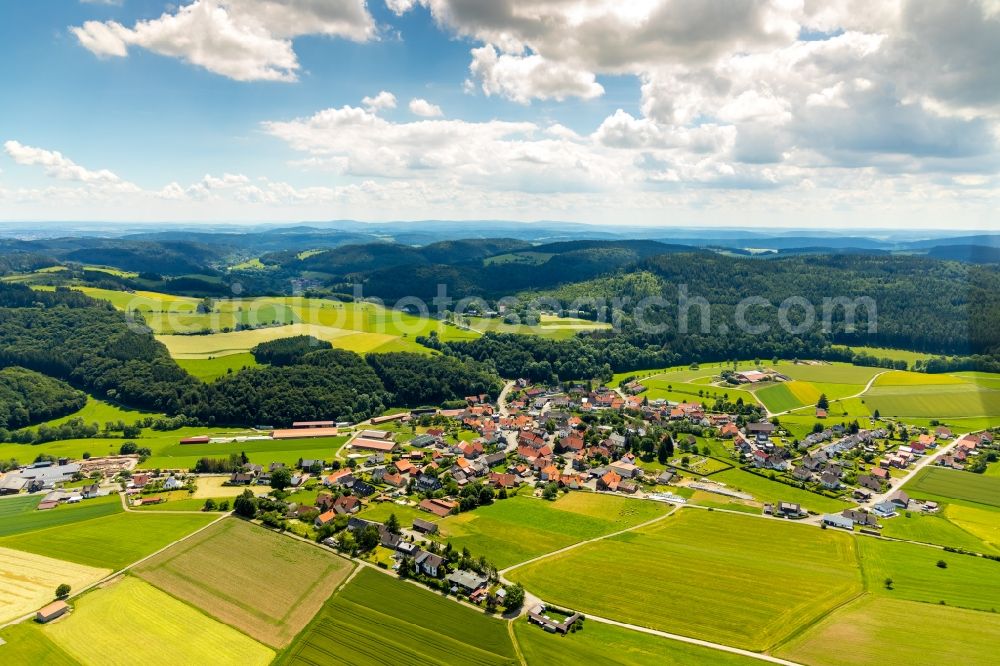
{"x": 938, "y": 483}
{"x": 375, "y": 615}
{"x": 726, "y": 562}
{"x": 520, "y": 528}
{"x": 18, "y": 515}
{"x": 110, "y": 542}
{"x": 892, "y": 632}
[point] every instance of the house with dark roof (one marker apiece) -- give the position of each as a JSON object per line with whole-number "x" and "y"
{"x": 424, "y": 526}
{"x": 428, "y": 563}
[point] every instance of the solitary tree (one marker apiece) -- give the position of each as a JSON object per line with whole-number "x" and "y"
{"x": 62, "y": 591}
{"x": 281, "y": 478}
{"x": 392, "y": 524}
{"x": 514, "y": 596}
{"x": 823, "y": 402}
{"x": 888, "y": 583}
{"x": 245, "y": 505}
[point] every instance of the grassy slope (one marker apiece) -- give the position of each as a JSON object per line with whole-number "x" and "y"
{"x": 210, "y": 369}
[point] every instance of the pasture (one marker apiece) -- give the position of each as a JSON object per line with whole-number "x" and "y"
{"x": 664, "y": 388}
{"x": 782, "y": 397}
{"x": 724, "y": 561}
{"x": 982, "y": 523}
{"x": 101, "y": 411}
{"x": 891, "y": 632}
{"x": 901, "y": 378}
{"x": 829, "y": 373}
{"x": 18, "y": 514}
{"x": 28, "y": 582}
{"x": 607, "y": 644}
{"x": 966, "y": 582}
{"x": 112, "y": 542}
{"x": 278, "y": 586}
{"x": 938, "y": 529}
{"x": 26, "y": 643}
{"x": 938, "y": 483}
{"x": 375, "y": 615}
{"x": 129, "y": 622}
{"x": 934, "y": 400}
{"x": 520, "y": 528}
{"x": 210, "y": 369}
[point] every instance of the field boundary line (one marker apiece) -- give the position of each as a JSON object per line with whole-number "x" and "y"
{"x": 513, "y": 640}
{"x": 693, "y": 641}
{"x": 123, "y": 570}
{"x": 501, "y": 572}
{"x": 801, "y": 630}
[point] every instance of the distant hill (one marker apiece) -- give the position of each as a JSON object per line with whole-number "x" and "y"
{"x": 973, "y": 254}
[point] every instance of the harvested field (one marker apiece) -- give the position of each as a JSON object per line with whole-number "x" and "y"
{"x": 271, "y": 595}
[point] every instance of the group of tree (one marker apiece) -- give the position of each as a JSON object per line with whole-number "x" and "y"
{"x": 86, "y": 343}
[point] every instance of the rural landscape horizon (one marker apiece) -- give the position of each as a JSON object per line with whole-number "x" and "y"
{"x": 500, "y": 332}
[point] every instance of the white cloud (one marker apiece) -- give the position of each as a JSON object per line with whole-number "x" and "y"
{"x": 524, "y": 77}
{"x": 57, "y": 165}
{"x": 245, "y": 40}
{"x": 383, "y": 100}
{"x": 423, "y": 108}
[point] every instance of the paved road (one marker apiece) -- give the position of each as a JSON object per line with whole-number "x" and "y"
{"x": 692, "y": 641}
{"x": 919, "y": 465}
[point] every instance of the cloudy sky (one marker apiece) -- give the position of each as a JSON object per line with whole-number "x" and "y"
{"x": 867, "y": 113}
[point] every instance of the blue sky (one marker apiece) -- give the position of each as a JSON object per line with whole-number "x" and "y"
{"x": 644, "y": 111}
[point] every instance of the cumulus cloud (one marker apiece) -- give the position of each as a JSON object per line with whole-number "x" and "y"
{"x": 524, "y": 77}
{"x": 423, "y": 108}
{"x": 57, "y": 165}
{"x": 245, "y": 40}
{"x": 383, "y": 100}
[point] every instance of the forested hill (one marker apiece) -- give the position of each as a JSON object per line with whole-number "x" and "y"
{"x": 922, "y": 304}
{"x": 68, "y": 336}
{"x": 28, "y": 397}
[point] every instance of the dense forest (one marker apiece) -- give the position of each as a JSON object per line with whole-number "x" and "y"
{"x": 27, "y": 397}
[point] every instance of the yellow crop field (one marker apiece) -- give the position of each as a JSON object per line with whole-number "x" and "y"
{"x": 29, "y": 581}
{"x": 131, "y": 622}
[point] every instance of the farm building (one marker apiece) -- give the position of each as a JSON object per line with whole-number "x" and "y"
{"x": 52, "y": 611}
{"x": 313, "y": 424}
{"x": 378, "y": 420}
{"x": 424, "y": 526}
{"x": 438, "y": 507}
{"x": 837, "y": 520}
{"x": 375, "y": 434}
{"x": 198, "y": 439}
{"x": 302, "y": 433}
{"x": 373, "y": 445}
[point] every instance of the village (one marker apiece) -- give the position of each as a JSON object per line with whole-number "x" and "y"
{"x": 385, "y": 495}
